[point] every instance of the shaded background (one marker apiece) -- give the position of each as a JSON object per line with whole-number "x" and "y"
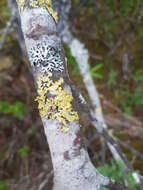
{"x": 113, "y": 32}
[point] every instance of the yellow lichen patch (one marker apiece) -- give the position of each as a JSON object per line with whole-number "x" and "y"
{"x": 64, "y": 129}
{"x": 47, "y": 4}
{"x": 49, "y": 7}
{"x": 39, "y": 3}
{"x": 54, "y": 102}
{"x": 21, "y": 4}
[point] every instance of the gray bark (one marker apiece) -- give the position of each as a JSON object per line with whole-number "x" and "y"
{"x": 72, "y": 167}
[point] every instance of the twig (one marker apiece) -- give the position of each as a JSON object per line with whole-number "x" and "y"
{"x": 45, "y": 181}
{"x": 103, "y": 152}
{"x": 116, "y": 186}
{"x": 83, "y": 108}
{"x": 134, "y": 151}
{"x": 16, "y": 26}
{"x": 6, "y": 31}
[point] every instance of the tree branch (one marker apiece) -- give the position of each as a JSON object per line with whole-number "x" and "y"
{"x": 6, "y": 30}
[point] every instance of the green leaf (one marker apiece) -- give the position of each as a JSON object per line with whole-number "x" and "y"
{"x": 23, "y": 151}
{"x": 71, "y": 60}
{"x": 95, "y": 71}
{"x": 116, "y": 171}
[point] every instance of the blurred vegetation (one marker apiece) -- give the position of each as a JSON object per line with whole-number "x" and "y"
{"x": 116, "y": 172}
{"x": 3, "y": 185}
{"x": 18, "y": 109}
{"x": 115, "y": 29}
{"x": 71, "y": 60}
{"x": 95, "y": 71}
{"x": 23, "y": 151}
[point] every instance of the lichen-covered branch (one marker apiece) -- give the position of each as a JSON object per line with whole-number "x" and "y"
{"x": 72, "y": 167}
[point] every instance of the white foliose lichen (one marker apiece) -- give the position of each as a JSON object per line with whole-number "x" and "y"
{"x": 82, "y": 99}
{"x": 46, "y": 58}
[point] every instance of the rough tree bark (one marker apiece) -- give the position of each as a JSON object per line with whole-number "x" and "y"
{"x": 72, "y": 167}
